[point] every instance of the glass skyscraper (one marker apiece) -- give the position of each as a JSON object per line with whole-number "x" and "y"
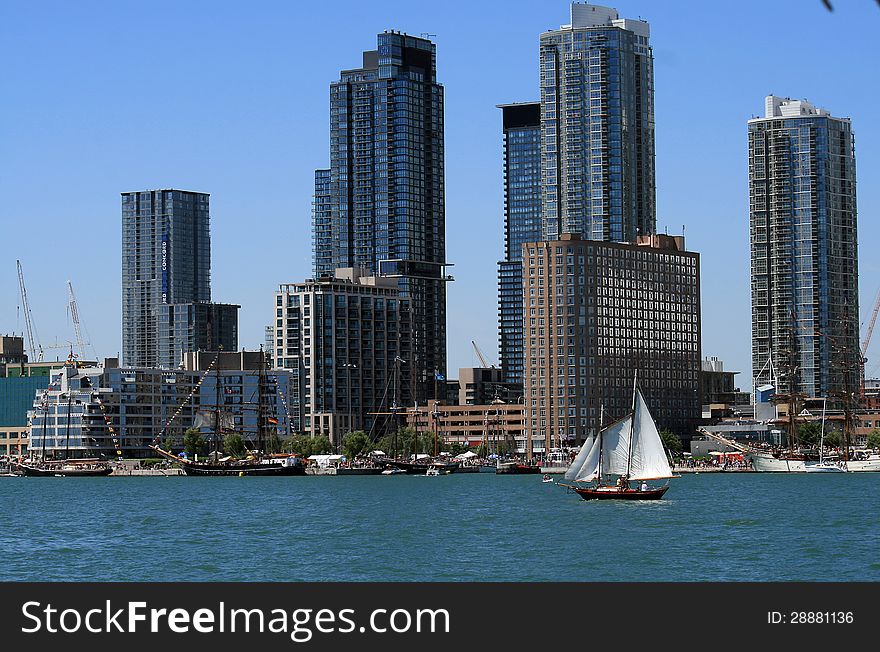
{"x": 597, "y": 127}
{"x": 802, "y": 213}
{"x": 522, "y": 223}
{"x": 381, "y": 205}
{"x": 166, "y": 259}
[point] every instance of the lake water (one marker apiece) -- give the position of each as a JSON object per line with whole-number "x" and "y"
{"x": 721, "y": 526}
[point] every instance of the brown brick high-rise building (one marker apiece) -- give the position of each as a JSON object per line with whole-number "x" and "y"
{"x": 596, "y": 312}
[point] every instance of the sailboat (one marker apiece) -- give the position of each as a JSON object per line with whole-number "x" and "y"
{"x": 629, "y": 450}
{"x": 823, "y": 465}
{"x": 256, "y": 463}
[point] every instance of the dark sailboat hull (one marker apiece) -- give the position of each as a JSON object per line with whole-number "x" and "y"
{"x": 243, "y": 470}
{"x": 517, "y": 469}
{"x": 37, "y": 472}
{"x": 612, "y": 493}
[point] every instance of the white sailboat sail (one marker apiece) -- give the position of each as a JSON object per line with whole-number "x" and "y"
{"x": 579, "y": 460}
{"x": 611, "y": 447}
{"x": 649, "y": 459}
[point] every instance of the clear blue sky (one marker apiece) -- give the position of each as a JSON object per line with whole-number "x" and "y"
{"x": 232, "y": 99}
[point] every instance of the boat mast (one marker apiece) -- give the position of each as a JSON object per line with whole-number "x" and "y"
{"x": 217, "y": 412}
{"x": 632, "y": 425}
{"x": 822, "y": 432}
{"x": 67, "y": 433}
{"x": 45, "y": 419}
{"x": 261, "y": 416}
{"x": 599, "y": 435}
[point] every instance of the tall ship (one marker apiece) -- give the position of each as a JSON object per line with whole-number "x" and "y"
{"x": 258, "y": 462}
{"x": 627, "y": 452}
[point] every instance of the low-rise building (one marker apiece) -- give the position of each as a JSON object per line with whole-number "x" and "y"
{"x": 109, "y": 410}
{"x": 493, "y": 424}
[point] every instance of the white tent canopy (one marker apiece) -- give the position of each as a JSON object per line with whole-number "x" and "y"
{"x": 466, "y": 456}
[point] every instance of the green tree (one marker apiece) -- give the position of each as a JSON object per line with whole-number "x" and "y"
{"x": 874, "y": 438}
{"x": 809, "y": 433}
{"x": 298, "y": 444}
{"x": 320, "y": 445}
{"x": 457, "y": 449}
{"x": 833, "y": 437}
{"x": 355, "y": 443}
{"x": 193, "y": 442}
{"x": 233, "y": 445}
{"x": 481, "y": 451}
{"x": 671, "y": 442}
{"x": 168, "y": 445}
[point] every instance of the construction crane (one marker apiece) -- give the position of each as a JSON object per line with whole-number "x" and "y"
{"x": 481, "y": 357}
{"x": 33, "y": 339}
{"x": 870, "y": 330}
{"x": 74, "y": 317}
{"x": 866, "y": 342}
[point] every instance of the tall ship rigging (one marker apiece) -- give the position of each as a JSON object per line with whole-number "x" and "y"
{"x": 259, "y": 461}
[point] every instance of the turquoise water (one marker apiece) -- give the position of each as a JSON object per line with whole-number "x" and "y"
{"x": 740, "y": 527}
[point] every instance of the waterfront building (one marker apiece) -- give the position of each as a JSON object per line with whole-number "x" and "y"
{"x": 597, "y": 313}
{"x": 482, "y": 385}
{"x": 342, "y": 337}
{"x": 166, "y": 259}
{"x": 381, "y": 203}
{"x": 11, "y": 352}
{"x": 718, "y": 386}
{"x": 497, "y": 425}
{"x": 597, "y": 127}
{"x": 522, "y": 223}
{"x": 186, "y": 327}
{"x": 99, "y": 410}
{"x": 804, "y": 253}
{"x": 16, "y": 399}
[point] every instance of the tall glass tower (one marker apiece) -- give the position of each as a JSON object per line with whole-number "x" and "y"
{"x": 802, "y": 214}
{"x": 522, "y": 223}
{"x": 597, "y": 127}
{"x": 166, "y": 259}
{"x": 382, "y": 206}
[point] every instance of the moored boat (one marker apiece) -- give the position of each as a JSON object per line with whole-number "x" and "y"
{"x": 516, "y": 468}
{"x": 84, "y": 468}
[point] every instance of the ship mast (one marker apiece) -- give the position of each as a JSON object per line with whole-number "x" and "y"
{"x": 45, "y": 419}
{"x": 67, "y": 431}
{"x": 599, "y": 435}
{"x": 261, "y": 408}
{"x": 632, "y": 426}
{"x": 217, "y": 413}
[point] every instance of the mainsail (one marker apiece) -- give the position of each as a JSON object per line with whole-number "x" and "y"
{"x": 649, "y": 460}
{"x": 611, "y": 448}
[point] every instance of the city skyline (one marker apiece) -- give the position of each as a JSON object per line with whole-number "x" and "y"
{"x": 705, "y": 91}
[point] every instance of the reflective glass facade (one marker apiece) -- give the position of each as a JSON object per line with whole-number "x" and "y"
{"x": 522, "y": 223}
{"x": 384, "y": 197}
{"x": 187, "y": 327}
{"x": 166, "y": 258}
{"x": 804, "y": 249}
{"x": 597, "y": 127}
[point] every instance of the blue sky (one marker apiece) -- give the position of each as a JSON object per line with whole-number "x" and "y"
{"x": 232, "y": 99}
